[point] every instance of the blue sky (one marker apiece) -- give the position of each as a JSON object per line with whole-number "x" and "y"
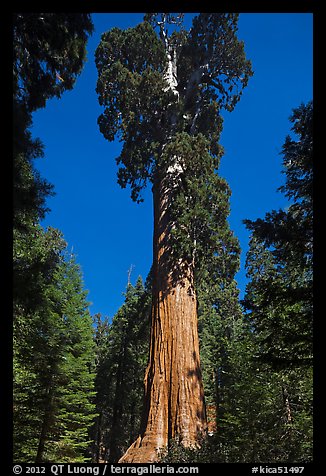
{"x": 106, "y": 230}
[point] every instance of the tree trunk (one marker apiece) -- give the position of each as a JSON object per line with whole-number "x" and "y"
{"x": 115, "y": 433}
{"x": 288, "y": 415}
{"x": 45, "y": 424}
{"x": 98, "y": 438}
{"x": 174, "y": 397}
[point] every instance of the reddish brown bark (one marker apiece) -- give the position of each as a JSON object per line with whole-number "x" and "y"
{"x": 174, "y": 397}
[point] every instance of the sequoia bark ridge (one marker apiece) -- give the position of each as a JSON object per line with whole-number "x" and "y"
{"x": 174, "y": 396}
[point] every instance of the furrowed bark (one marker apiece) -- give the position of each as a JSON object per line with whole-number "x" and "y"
{"x": 174, "y": 397}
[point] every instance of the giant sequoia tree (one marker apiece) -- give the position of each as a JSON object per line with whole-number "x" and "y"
{"x": 162, "y": 89}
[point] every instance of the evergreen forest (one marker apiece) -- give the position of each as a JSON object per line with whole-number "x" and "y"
{"x": 185, "y": 371}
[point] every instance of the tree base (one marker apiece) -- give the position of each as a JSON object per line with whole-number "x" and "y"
{"x": 141, "y": 452}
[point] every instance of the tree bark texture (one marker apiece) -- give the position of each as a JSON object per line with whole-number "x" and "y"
{"x": 174, "y": 396}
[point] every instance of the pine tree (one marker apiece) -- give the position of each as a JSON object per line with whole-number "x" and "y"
{"x": 73, "y": 390}
{"x": 162, "y": 93}
{"x": 103, "y": 387}
{"x": 218, "y": 326}
{"x": 123, "y": 350}
{"x": 45, "y": 45}
{"x": 29, "y": 189}
{"x": 53, "y": 379}
{"x": 34, "y": 338}
{"x": 279, "y": 294}
{"x": 129, "y": 330}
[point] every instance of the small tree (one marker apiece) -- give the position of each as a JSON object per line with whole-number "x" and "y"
{"x": 53, "y": 370}
{"x": 122, "y": 358}
{"x": 72, "y": 382}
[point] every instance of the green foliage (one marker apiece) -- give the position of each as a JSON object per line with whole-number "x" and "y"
{"x": 143, "y": 110}
{"x": 74, "y": 391}
{"x": 52, "y": 330}
{"x": 130, "y": 85}
{"x": 29, "y": 189}
{"x": 167, "y": 113}
{"x": 253, "y": 424}
{"x": 43, "y": 44}
{"x": 47, "y": 44}
{"x": 279, "y": 262}
{"x": 78, "y": 391}
{"x": 257, "y": 378}
{"x": 213, "y": 41}
{"x": 199, "y": 210}
{"x": 36, "y": 253}
{"x": 256, "y": 370}
{"x": 53, "y": 372}
{"x": 122, "y": 358}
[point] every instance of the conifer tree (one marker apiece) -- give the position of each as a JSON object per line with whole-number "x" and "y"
{"x": 123, "y": 351}
{"x": 263, "y": 413}
{"x": 103, "y": 388}
{"x": 73, "y": 391}
{"x": 53, "y": 379}
{"x": 264, "y": 386}
{"x": 279, "y": 294}
{"x": 280, "y": 291}
{"x": 46, "y": 46}
{"x": 49, "y": 51}
{"x": 162, "y": 89}
{"x": 219, "y": 324}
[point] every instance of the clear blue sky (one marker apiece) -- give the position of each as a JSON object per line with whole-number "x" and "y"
{"x": 108, "y": 232}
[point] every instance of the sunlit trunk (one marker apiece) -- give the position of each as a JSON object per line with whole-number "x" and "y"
{"x": 174, "y": 397}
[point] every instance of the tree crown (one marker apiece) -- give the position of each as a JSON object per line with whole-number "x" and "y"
{"x": 154, "y": 85}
